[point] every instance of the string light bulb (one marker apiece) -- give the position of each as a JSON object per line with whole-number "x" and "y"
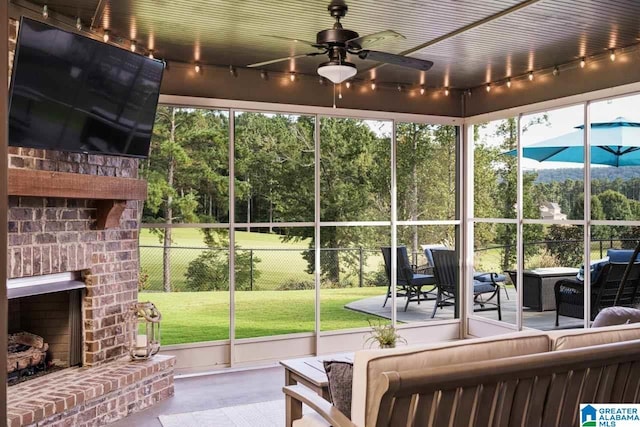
{"x": 45, "y": 11}
{"x": 151, "y": 53}
{"x": 232, "y": 71}
{"x": 373, "y": 85}
{"x": 583, "y": 62}
{"x": 321, "y": 81}
{"x": 488, "y": 87}
{"x": 446, "y": 91}
{"x": 399, "y": 87}
{"x": 556, "y": 71}
{"x": 264, "y": 75}
{"x": 612, "y": 55}
{"x": 340, "y": 95}
{"x": 509, "y": 82}
{"x": 105, "y": 36}
{"x": 530, "y": 76}
{"x": 348, "y": 85}
{"x": 421, "y": 90}
{"x": 78, "y": 24}
{"x": 292, "y": 77}
{"x": 133, "y": 46}
{"x": 197, "y": 68}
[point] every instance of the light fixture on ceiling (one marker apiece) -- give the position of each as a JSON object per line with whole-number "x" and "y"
{"x": 509, "y": 82}
{"x": 348, "y": 85}
{"x": 612, "y": 55}
{"x": 337, "y": 71}
{"x": 446, "y": 91}
{"x": 78, "y": 24}
{"x": 321, "y": 81}
{"x": 232, "y": 71}
{"x": 421, "y": 90}
{"x": 105, "y": 36}
{"x": 151, "y": 53}
{"x": 556, "y": 71}
{"x": 530, "y": 76}
{"x": 488, "y": 87}
{"x": 197, "y": 67}
{"x": 133, "y": 46}
{"x": 45, "y": 11}
{"x": 399, "y": 87}
{"x": 264, "y": 75}
{"x": 583, "y": 62}
{"x": 292, "y": 76}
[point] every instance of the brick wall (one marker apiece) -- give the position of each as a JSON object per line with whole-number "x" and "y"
{"x": 52, "y": 235}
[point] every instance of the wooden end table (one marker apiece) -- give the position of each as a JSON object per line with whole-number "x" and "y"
{"x": 309, "y": 371}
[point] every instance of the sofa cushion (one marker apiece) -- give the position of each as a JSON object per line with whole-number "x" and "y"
{"x": 370, "y": 364}
{"x": 340, "y": 378}
{"x": 611, "y": 316}
{"x": 620, "y": 255}
{"x": 565, "y": 340}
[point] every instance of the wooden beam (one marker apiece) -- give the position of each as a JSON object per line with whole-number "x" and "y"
{"x": 36, "y": 183}
{"x": 4, "y": 136}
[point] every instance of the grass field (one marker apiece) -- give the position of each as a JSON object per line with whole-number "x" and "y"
{"x": 279, "y": 262}
{"x": 204, "y": 316}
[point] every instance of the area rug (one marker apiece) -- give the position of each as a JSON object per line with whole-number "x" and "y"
{"x": 262, "y": 414}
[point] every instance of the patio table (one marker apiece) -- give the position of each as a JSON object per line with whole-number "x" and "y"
{"x": 538, "y": 287}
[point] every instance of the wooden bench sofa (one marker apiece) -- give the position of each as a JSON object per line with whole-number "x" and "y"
{"x": 524, "y": 379}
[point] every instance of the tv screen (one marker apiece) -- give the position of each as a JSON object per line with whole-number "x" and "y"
{"x": 73, "y": 93}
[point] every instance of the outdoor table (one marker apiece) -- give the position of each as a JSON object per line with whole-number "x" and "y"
{"x": 538, "y": 291}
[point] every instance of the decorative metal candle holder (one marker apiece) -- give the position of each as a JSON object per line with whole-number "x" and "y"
{"x": 144, "y": 330}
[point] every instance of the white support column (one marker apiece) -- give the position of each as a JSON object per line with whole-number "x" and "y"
{"x": 232, "y": 239}
{"x": 394, "y": 224}
{"x": 587, "y": 213}
{"x": 465, "y": 199}
{"x": 316, "y": 230}
{"x": 520, "y": 229}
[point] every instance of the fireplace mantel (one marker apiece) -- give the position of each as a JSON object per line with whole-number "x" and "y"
{"x": 111, "y": 192}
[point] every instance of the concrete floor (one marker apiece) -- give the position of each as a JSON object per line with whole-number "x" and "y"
{"x": 214, "y": 391}
{"x": 542, "y": 320}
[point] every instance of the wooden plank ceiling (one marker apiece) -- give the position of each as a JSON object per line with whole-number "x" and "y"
{"x": 538, "y": 35}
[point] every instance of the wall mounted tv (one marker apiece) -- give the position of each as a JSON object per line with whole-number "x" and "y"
{"x": 72, "y": 93}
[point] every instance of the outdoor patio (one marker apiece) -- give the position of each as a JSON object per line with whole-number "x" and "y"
{"x": 541, "y": 320}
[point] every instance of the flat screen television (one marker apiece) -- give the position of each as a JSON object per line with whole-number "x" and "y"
{"x": 72, "y": 93}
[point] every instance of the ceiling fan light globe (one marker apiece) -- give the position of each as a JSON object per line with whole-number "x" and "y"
{"x": 337, "y": 73}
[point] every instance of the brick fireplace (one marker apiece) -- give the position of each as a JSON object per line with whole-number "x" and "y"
{"x": 52, "y": 235}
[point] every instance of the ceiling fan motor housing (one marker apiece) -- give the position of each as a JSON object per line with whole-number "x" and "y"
{"x": 335, "y": 36}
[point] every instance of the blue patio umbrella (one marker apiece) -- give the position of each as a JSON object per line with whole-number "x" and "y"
{"x": 615, "y": 143}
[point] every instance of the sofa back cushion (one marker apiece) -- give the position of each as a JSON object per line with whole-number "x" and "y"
{"x": 565, "y": 340}
{"x": 620, "y": 255}
{"x": 370, "y": 364}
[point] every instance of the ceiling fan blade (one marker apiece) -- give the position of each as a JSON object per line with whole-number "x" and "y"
{"x": 308, "y": 43}
{"x": 372, "y": 39}
{"x": 393, "y": 59}
{"x": 273, "y": 61}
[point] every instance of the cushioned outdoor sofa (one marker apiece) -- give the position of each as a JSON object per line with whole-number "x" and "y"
{"x": 523, "y": 379}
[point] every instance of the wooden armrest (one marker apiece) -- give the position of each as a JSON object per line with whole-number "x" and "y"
{"x": 296, "y": 395}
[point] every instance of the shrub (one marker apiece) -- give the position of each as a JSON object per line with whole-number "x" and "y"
{"x": 210, "y": 271}
{"x": 296, "y": 285}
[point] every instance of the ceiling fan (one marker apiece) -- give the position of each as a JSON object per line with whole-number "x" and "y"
{"x": 337, "y": 42}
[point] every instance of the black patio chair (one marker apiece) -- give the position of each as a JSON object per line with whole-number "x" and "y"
{"x": 569, "y": 293}
{"x": 410, "y": 279}
{"x": 445, "y": 265}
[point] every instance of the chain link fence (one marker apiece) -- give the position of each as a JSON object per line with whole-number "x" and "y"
{"x": 261, "y": 269}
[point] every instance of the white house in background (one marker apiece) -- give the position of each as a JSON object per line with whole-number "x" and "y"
{"x": 551, "y": 210}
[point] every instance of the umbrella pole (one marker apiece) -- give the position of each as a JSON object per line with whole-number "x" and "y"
{"x": 627, "y": 270}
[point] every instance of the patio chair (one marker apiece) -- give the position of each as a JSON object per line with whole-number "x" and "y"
{"x": 480, "y": 276}
{"x": 569, "y": 293}
{"x": 445, "y": 264}
{"x": 410, "y": 280}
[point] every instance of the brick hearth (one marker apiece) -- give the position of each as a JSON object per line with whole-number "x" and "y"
{"x": 90, "y": 396}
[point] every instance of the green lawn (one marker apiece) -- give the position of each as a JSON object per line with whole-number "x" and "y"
{"x": 204, "y": 316}
{"x": 279, "y": 262}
